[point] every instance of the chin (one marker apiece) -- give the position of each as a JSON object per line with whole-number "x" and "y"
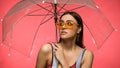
{"x": 65, "y": 37}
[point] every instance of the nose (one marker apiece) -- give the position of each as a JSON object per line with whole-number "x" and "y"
{"x": 64, "y": 26}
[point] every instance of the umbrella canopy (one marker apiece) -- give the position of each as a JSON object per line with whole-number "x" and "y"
{"x": 33, "y": 15}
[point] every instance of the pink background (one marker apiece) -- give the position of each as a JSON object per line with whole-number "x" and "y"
{"x": 106, "y": 57}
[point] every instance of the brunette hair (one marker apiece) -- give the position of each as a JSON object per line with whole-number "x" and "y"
{"x": 79, "y": 38}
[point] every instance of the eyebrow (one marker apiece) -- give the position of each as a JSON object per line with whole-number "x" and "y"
{"x": 67, "y": 20}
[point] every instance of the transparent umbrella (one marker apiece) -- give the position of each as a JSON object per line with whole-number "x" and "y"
{"x": 25, "y": 21}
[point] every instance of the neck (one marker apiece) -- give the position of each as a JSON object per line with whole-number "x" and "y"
{"x": 68, "y": 44}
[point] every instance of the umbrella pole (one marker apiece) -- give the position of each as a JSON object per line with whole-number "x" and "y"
{"x": 55, "y": 12}
{"x": 55, "y": 19}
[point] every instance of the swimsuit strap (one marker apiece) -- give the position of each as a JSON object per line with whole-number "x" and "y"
{"x": 54, "y": 59}
{"x": 79, "y": 60}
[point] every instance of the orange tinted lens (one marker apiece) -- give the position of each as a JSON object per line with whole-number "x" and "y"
{"x": 59, "y": 25}
{"x": 69, "y": 24}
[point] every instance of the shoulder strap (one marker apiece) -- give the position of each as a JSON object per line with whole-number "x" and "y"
{"x": 55, "y": 62}
{"x": 79, "y": 60}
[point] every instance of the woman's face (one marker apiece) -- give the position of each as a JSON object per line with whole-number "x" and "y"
{"x": 69, "y": 27}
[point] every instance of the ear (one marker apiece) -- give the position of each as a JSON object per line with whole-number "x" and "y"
{"x": 79, "y": 29}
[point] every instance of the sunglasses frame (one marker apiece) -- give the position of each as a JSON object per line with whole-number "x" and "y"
{"x": 68, "y": 24}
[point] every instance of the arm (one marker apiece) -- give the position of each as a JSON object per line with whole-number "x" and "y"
{"x": 43, "y": 56}
{"x": 87, "y": 59}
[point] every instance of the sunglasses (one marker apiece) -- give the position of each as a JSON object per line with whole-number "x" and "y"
{"x": 68, "y": 24}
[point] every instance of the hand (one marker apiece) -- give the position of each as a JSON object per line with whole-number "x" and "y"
{"x": 59, "y": 53}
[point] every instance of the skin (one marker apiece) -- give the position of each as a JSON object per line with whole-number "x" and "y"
{"x": 66, "y": 51}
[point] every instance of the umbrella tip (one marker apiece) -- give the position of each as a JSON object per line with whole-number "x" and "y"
{"x": 116, "y": 29}
{"x": 93, "y": 40}
{"x": 1, "y": 44}
{"x": 10, "y": 44}
{"x": 1, "y": 20}
{"x": 9, "y": 54}
{"x": 97, "y": 6}
{"x": 31, "y": 52}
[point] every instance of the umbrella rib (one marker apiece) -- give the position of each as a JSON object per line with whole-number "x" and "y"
{"x": 62, "y": 7}
{"x": 14, "y": 25}
{"x": 44, "y": 8}
{"x": 41, "y": 6}
{"x": 16, "y": 50}
{"x": 30, "y": 13}
{"x": 94, "y": 37}
{"x": 73, "y": 8}
{"x": 37, "y": 10}
{"x": 46, "y": 16}
{"x": 47, "y": 20}
{"x": 39, "y": 27}
{"x": 40, "y": 15}
{"x": 78, "y": 7}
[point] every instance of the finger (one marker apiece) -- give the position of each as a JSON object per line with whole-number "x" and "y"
{"x": 56, "y": 48}
{"x": 55, "y": 45}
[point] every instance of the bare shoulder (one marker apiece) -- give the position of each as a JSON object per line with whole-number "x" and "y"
{"x": 45, "y": 49}
{"x": 88, "y": 56}
{"x": 43, "y": 56}
{"x": 88, "y": 53}
{"x": 87, "y": 59}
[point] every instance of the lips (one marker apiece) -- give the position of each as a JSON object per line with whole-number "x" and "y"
{"x": 63, "y": 32}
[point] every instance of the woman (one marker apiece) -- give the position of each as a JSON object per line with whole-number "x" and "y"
{"x": 69, "y": 52}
